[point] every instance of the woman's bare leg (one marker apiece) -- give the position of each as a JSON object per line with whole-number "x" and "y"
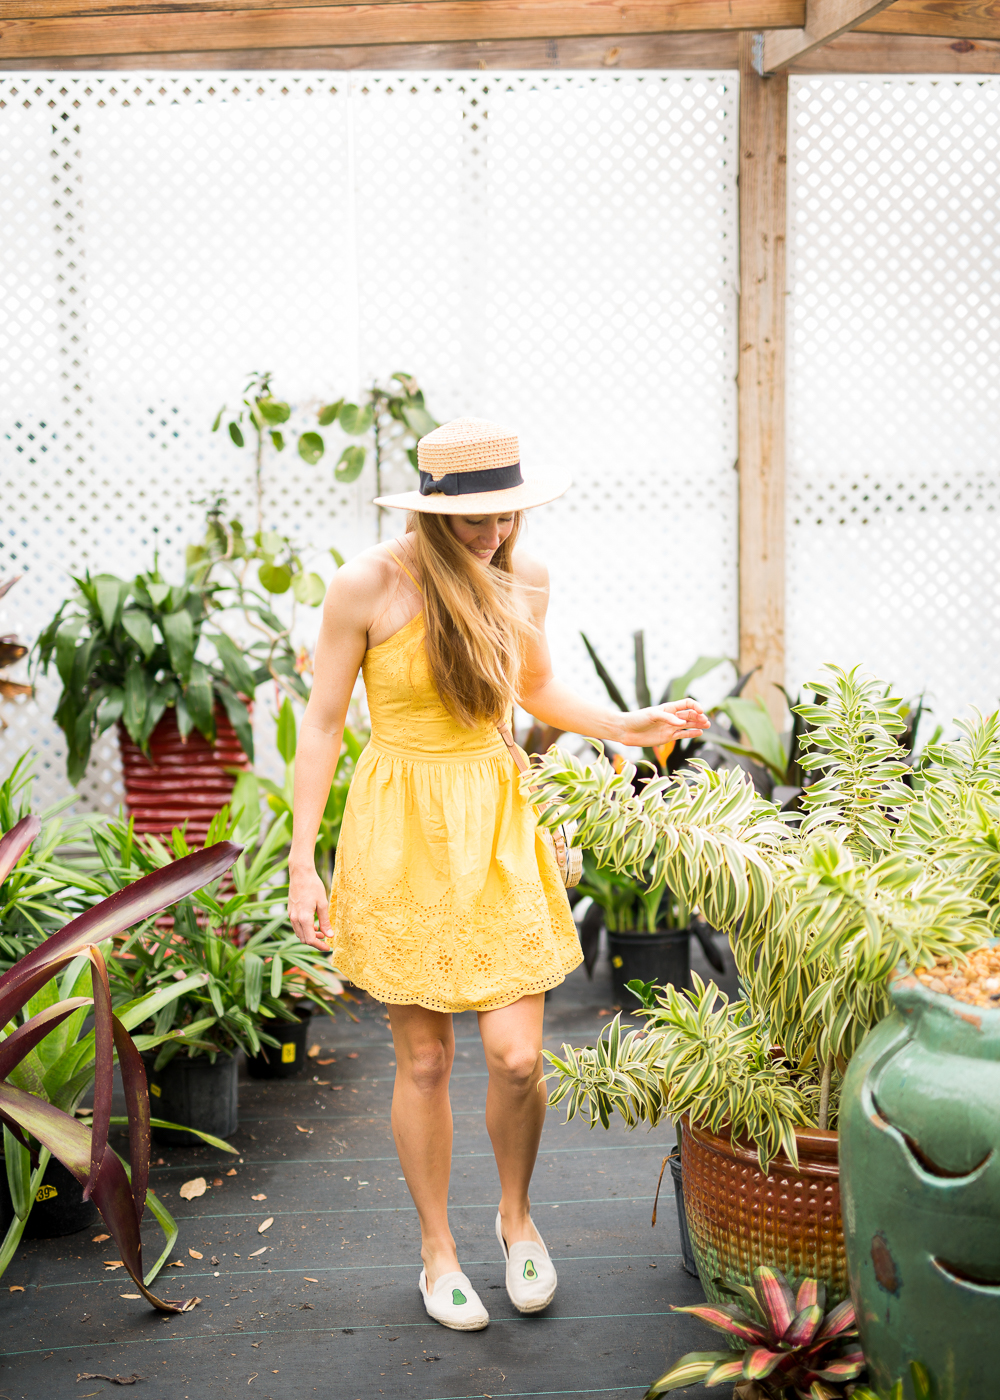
{"x": 515, "y": 1105}
{"x": 424, "y": 1042}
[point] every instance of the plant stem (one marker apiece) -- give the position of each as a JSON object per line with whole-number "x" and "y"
{"x": 824, "y": 1094}
{"x": 258, "y": 483}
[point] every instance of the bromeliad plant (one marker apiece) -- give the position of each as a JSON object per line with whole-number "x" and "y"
{"x": 792, "y": 1346}
{"x": 41, "y": 1077}
{"x": 819, "y": 912}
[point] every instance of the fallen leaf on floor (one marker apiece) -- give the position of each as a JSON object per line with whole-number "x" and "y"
{"x": 261, "y": 1197}
{"x": 99, "y": 1239}
{"x": 115, "y": 1380}
{"x": 231, "y": 1171}
{"x": 159, "y": 1162}
{"x": 85, "y": 1318}
{"x": 326, "y": 1062}
{"x": 217, "y": 1181}
{"x": 305, "y": 1305}
{"x": 16, "y": 1288}
{"x": 432, "y": 1358}
{"x": 112, "y": 1263}
{"x": 353, "y": 1055}
{"x": 337, "y": 1088}
{"x": 215, "y": 1261}
{"x": 131, "y": 1296}
{"x": 312, "y": 1052}
{"x": 195, "y": 1255}
{"x": 189, "y": 1304}
{"x": 321, "y": 1081}
{"x": 266, "y": 1225}
{"x": 310, "y": 1280}
{"x": 197, "y": 1186}
{"x": 255, "y": 1344}
{"x": 652, "y": 1266}
{"x": 302, "y": 1130}
{"x": 256, "y": 1252}
{"x": 176, "y": 1264}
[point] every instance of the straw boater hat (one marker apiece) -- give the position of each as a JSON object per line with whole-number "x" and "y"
{"x": 471, "y": 467}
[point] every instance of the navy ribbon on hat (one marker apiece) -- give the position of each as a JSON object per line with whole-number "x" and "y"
{"x": 471, "y": 483}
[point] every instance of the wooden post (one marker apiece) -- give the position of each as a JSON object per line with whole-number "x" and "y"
{"x": 763, "y": 166}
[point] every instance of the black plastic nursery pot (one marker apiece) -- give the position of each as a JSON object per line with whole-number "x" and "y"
{"x": 59, "y": 1207}
{"x": 194, "y": 1092}
{"x": 284, "y": 1060}
{"x": 661, "y": 957}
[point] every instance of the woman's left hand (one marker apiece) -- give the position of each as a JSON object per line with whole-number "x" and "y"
{"x": 678, "y": 719}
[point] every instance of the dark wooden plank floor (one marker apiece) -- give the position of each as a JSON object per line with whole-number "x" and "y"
{"x": 331, "y": 1308}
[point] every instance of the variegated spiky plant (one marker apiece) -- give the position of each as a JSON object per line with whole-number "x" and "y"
{"x": 792, "y": 1347}
{"x": 819, "y": 914}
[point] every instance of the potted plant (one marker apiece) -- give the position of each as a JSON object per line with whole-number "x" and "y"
{"x": 37, "y": 1129}
{"x": 165, "y": 663}
{"x": 245, "y": 973}
{"x": 820, "y": 910}
{"x": 649, "y": 930}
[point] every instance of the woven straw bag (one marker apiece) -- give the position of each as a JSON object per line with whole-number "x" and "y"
{"x": 569, "y": 858}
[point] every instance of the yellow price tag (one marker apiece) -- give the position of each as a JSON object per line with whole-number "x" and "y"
{"x": 288, "y": 1053}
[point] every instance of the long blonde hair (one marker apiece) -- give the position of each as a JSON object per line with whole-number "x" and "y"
{"x": 476, "y": 620}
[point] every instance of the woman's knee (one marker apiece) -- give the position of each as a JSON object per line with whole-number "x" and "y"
{"x": 428, "y": 1066}
{"x": 517, "y": 1066}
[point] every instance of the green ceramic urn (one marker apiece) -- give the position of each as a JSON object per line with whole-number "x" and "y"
{"x": 920, "y": 1192}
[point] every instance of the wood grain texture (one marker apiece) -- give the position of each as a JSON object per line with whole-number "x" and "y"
{"x": 761, "y": 416}
{"x": 717, "y": 51}
{"x": 956, "y": 19}
{"x": 408, "y": 21}
{"x": 898, "y": 53}
{"x": 825, "y": 20}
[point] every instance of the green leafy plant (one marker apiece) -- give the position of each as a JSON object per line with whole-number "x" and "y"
{"x": 820, "y": 911}
{"x": 391, "y": 418}
{"x": 792, "y": 1346}
{"x": 630, "y": 904}
{"x": 920, "y": 1380}
{"x": 37, "y": 1128}
{"x": 229, "y": 946}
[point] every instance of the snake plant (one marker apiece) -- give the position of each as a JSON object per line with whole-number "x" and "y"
{"x": 820, "y": 909}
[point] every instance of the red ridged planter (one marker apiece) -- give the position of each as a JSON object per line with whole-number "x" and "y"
{"x": 181, "y": 781}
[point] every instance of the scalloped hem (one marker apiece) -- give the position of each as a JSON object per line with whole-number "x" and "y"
{"x": 497, "y": 1003}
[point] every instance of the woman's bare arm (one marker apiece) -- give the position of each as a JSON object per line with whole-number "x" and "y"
{"x": 552, "y": 702}
{"x": 351, "y": 602}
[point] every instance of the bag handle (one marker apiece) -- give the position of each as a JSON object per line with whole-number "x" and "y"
{"x": 515, "y": 752}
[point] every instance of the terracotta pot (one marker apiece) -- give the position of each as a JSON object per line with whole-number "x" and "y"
{"x": 739, "y": 1218}
{"x": 182, "y": 780}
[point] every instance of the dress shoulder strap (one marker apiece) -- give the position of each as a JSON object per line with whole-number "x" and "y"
{"x": 404, "y": 568}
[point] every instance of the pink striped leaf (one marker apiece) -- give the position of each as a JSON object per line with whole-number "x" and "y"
{"x": 693, "y": 1367}
{"x": 777, "y": 1299}
{"x": 727, "y": 1318}
{"x": 840, "y": 1322}
{"x": 811, "y": 1292}
{"x": 759, "y": 1362}
{"x": 725, "y": 1371}
{"x": 845, "y": 1369}
{"x": 15, "y": 842}
{"x": 803, "y": 1327}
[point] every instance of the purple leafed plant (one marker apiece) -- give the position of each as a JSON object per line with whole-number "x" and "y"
{"x": 793, "y": 1347}
{"x": 119, "y": 1194}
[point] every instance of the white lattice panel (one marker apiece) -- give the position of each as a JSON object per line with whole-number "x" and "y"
{"x": 556, "y": 251}
{"x": 894, "y": 382}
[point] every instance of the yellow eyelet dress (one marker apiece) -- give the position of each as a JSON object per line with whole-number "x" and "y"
{"x": 444, "y": 894}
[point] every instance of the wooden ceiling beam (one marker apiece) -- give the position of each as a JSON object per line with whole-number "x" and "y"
{"x": 825, "y": 20}
{"x": 951, "y": 19}
{"x": 405, "y": 21}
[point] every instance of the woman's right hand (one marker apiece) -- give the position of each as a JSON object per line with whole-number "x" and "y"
{"x": 307, "y": 902}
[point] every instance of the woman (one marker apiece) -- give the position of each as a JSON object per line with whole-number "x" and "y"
{"x": 445, "y": 897}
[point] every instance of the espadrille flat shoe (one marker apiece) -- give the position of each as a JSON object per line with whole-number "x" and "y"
{"x": 531, "y": 1275}
{"x": 454, "y": 1302}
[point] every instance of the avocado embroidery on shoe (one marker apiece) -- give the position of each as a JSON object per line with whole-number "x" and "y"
{"x": 530, "y": 1272}
{"x": 458, "y": 1297}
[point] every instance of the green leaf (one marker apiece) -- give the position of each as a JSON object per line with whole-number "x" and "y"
{"x": 311, "y": 448}
{"x": 275, "y": 578}
{"x": 178, "y": 633}
{"x": 218, "y": 419}
{"x": 159, "y": 593}
{"x": 605, "y": 675}
{"x": 274, "y": 410}
{"x": 200, "y": 700}
{"x": 678, "y": 689}
{"x": 309, "y": 589}
{"x": 136, "y": 700}
{"x": 350, "y": 464}
{"x": 111, "y": 594}
{"x": 337, "y": 558}
{"x": 355, "y": 420}
{"x": 236, "y": 434}
{"x": 755, "y": 724}
{"x": 238, "y": 673}
{"x": 139, "y": 627}
{"x": 240, "y": 720}
{"x": 329, "y": 412}
{"x": 418, "y": 420}
{"x": 18, "y": 1173}
{"x": 278, "y": 440}
{"x": 286, "y": 737}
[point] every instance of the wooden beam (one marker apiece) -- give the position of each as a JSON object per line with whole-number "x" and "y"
{"x": 898, "y": 53}
{"x": 952, "y": 19}
{"x": 825, "y": 20}
{"x": 717, "y": 51}
{"x": 403, "y": 22}
{"x": 763, "y": 200}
